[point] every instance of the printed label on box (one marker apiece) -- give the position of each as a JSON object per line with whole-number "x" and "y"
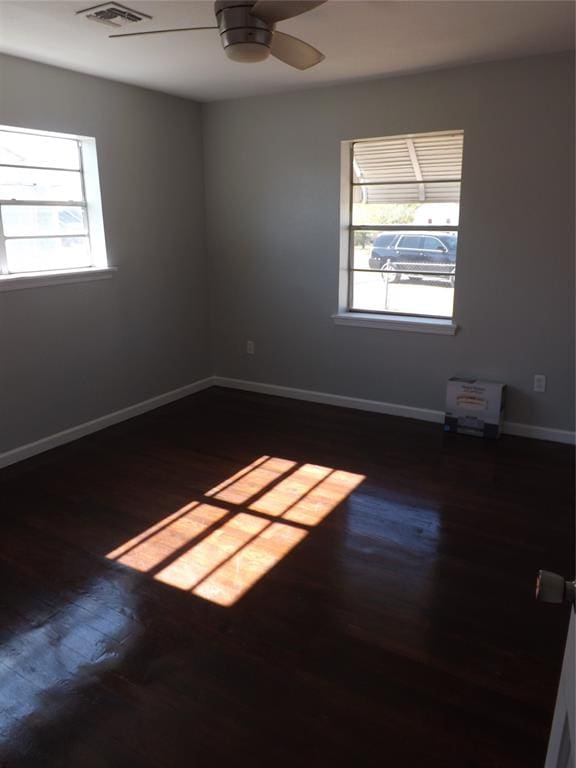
{"x": 474, "y": 407}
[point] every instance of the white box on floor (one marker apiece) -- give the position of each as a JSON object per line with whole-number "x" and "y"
{"x": 474, "y": 407}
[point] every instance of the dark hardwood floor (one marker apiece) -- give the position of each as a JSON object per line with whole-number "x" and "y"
{"x": 241, "y": 580}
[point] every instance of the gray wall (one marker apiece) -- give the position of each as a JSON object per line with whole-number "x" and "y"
{"x": 70, "y": 353}
{"x": 272, "y": 196}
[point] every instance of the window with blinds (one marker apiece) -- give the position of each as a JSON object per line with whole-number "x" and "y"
{"x": 50, "y": 210}
{"x": 404, "y": 219}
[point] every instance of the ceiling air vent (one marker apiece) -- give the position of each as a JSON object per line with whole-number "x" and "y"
{"x": 113, "y": 14}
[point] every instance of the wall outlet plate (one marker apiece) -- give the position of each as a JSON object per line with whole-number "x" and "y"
{"x": 539, "y": 382}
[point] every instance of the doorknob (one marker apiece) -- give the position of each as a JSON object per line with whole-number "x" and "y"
{"x": 553, "y": 588}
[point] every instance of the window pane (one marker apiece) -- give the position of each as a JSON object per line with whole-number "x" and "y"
{"x": 405, "y": 251}
{"x": 432, "y": 244}
{"x": 44, "y": 151}
{"x": 31, "y": 184}
{"x": 426, "y": 156}
{"x": 34, "y": 220}
{"x": 368, "y": 245}
{"x": 411, "y": 242}
{"x": 406, "y": 294}
{"x": 39, "y": 255}
{"x": 416, "y": 204}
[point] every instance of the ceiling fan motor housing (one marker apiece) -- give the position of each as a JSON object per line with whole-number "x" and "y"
{"x": 244, "y": 37}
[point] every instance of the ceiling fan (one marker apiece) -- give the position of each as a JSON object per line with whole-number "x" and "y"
{"x": 248, "y": 31}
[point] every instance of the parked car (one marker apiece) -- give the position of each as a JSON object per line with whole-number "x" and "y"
{"x": 420, "y": 252}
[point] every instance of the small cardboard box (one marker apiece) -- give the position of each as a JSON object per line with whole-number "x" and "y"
{"x": 474, "y": 407}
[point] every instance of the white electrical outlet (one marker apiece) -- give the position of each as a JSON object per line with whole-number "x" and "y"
{"x": 250, "y": 348}
{"x": 539, "y": 382}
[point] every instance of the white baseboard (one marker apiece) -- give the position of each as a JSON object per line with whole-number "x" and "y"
{"x": 377, "y": 406}
{"x": 392, "y": 409}
{"x": 74, "y": 433}
{"x": 539, "y": 433}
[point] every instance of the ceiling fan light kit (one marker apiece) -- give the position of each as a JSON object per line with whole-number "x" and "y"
{"x": 248, "y": 31}
{"x": 245, "y": 38}
{"x": 247, "y": 53}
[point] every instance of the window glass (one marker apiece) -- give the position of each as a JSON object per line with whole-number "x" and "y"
{"x": 22, "y": 220}
{"x": 384, "y": 241}
{"x": 400, "y": 293}
{"x": 433, "y": 203}
{"x": 33, "y": 184}
{"x": 42, "y": 254}
{"x": 405, "y": 193}
{"x": 38, "y": 150}
{"x": 410, "y": 241}
{"x": 450, "y": 241}
{"x": 47, "y": 221}
{"x": 432, "y": 244}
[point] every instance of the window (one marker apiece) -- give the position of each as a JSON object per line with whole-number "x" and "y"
{"x": 50, "y": 208}
{"x": 403, "y": 200}
{"x": 432, "y": 244}
{"x": 410, "y": 241}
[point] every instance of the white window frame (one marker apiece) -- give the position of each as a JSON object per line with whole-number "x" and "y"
{"x": 91, "y": 204}
{"x": 377, "y": 320}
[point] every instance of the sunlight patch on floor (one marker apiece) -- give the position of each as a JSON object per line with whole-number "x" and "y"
{"x": 291, "y": 490}
{"x": 153, "y": 547}
{"x": 218, "y": 551}
{"x": 315, "y": 505}
{"x": 203, "y": 558}
{"x": 229, "y": 582}
{"x": 252, "y": 482}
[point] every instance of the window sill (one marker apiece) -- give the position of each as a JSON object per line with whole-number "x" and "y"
{"x": 397, "y": 323}
{"x": 41, "y": 279}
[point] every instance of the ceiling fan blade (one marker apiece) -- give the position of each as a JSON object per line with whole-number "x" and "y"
{"x": 159, "y": 31}
{"x": 278, "y": 10}
{"x": 295, "y": 52}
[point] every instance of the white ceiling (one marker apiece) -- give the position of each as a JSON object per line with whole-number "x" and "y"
{"x": 360, "y": 39}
